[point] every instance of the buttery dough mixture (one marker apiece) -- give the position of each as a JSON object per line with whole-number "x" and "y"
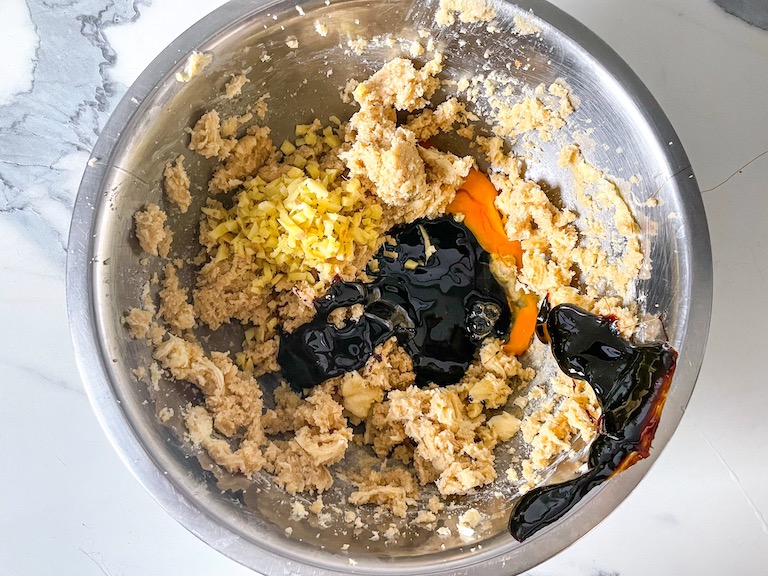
{"x": 281, "y": 221}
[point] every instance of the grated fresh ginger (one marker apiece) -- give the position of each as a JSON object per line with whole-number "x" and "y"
{"x": 302, "y": 226}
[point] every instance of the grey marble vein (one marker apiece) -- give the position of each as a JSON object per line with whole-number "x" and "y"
{"x": 753, "y": 12}
{"x": 59, "y": 117}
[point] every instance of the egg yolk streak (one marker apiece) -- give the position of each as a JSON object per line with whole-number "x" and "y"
{"x": 475, "y": 200}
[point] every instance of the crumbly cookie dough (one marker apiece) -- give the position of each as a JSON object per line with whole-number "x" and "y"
{"x": 177, "y": 184}
{"x": 154, "y": 236}
{"x": 234, "y": 87}
{"x": 194, "y": 65}
{"x": 282, "y": 220}
{"x": 466, "y": 10}
{"x": 414, "y": 181}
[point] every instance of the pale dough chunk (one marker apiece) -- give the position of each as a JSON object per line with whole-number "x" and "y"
{"x": 389, "y": 368}
{"x": 138, "y": 322}
{"x": 259, "y": 355}
{"x": 154, "y": 236}
{"x": 415, "y": 181}
{"x": 232, "y": 404}
{"x": 547, "y": 234}
{"x": 429, "y": 123}
{"x": 394, "y": 489}
{"x": 244, "y": 159}
{"x": 467, "y": 11}
{"x": 285, "y": 416}
{"x": 452, "y": 446}
{"x": 526, "y": 116}
{"x": 235, "y": 86}
{"x": 230, "y": 125}
{"x": 194, "y": 65}
{"x": 340, "y": 316}
{"x": 174, "y": 308}
{"x": 294, "y": 470}
{"x": 533, "y": 114}
{"x": 261, "y": 108}
{"x": 224, "y": 292}
{"x": 206, "y": 137}
{"x": 321, "y": 439}
{"x": 436, "y": 420}
{"x": 247, "y": 459}
{"x": 554, "y": 248}
{"x": 321, "y": 28}
{"x": 177, "y": 184}
{"x": 425, "y": 517}
{"x": 382, "y": 433}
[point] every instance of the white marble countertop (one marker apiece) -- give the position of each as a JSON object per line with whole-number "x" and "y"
{"x": 67, "y": 503}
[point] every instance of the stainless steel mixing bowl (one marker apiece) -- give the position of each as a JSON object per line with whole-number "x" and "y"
{"x": 629, "y": 136}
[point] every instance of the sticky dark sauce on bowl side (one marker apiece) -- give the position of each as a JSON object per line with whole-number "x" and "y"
{"x": 631, "y": 382}
{"x": 440, "y": 305}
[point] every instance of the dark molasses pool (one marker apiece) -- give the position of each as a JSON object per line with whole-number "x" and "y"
{"x": 432, "y": 289}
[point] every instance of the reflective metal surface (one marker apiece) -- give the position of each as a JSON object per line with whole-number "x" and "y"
{"x": 629, "y": 136}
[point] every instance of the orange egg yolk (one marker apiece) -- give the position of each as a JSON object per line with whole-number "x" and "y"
{"x": 475, "y": 200}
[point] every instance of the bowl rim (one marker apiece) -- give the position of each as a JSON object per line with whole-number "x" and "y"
{"x": 118, "y": 428}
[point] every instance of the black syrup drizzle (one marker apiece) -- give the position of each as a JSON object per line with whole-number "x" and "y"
{"x": 440, "y": 311}
{"x": 630, "y": 382}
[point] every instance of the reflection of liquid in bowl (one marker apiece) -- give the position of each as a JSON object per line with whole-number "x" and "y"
{"x": 248, "y": 520}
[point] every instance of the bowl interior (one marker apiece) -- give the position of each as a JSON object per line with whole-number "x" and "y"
{"x": 617, "y": 124}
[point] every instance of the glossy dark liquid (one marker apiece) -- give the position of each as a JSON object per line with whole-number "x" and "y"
{"x": 631, "y": 383}
{"x": 440, "y": 309}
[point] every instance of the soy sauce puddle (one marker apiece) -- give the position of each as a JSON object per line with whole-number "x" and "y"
{"x": 439, "y": 302}
{"x": 631, "y": 383}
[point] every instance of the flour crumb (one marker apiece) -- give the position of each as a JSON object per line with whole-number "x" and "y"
{"x": 321, "y": 28}
{"x": 468, "y": 521}
{"x": 425, "y": 517}
{"x": 317, "y": 506}
{"x": 138, "y": 322}
{"x": 174, "y": 307}
{"x": 261, "y": 106}
{"x": 298, "y": 511}
{"x": 435, "y": 505}
{"x": 155, "y": 374}
{"x": 358, "y": 45}
{"x": 206, "y": 138}
{"x": 391, "y": 533}
{"x": 292, "y": 42}
{"x": 444, "y": 532}
{"x": 165, "y": 414}
{"x": 416, "y": 49}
